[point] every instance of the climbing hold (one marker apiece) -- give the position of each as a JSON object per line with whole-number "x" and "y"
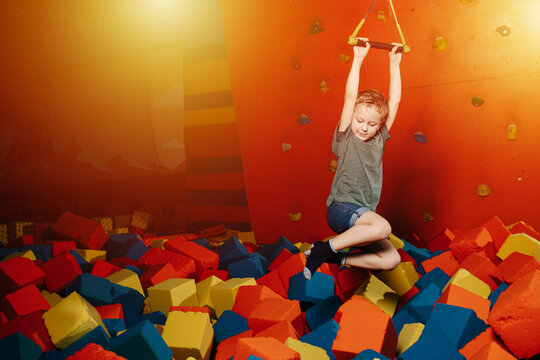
{"x": 440, "y": 43}
{"x": 286, "y": 147}
{"x": 295, "y": 216}
{"x": 333, "y": 165}
{"x": 511, "y": 132}
{"x": 344, "y": 58}
{"x": 503, "y": 30}
{"x": 323, "y": 87}
{"x": 381, "y": 15}
{"x": 420, "y": 138}
{"x": 477, "y": 101}
{"x": 466, "y": 1}
{"x": 296, "y": 66}
{"x": 427, "y": 217}
{"x": 483, "y": 190}
{"x": 304, "y": 119}
{"x": 316, "y": 28}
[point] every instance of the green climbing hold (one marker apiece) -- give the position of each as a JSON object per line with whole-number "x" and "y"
{"x": 477, "y": 101}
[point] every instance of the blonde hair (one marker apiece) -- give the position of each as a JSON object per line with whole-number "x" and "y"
{"x": 373, "y": 98}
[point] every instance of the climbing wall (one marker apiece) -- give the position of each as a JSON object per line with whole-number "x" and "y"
{"x": 463, "y": 147}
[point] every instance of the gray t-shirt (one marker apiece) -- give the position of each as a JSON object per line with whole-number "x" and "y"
{"x": 358, "y": 178}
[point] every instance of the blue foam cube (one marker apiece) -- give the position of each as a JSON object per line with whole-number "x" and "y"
{"x": 142, "y": 341}
{"x": 131, "y": 300}
{"x": 270, "y": 251}
{"x": 459, "y": 324}
{"x": 18, "y": 346}
{"x": 432, "y": 345}
{"x": 229, "y": 324}
{"x": 85, "y": 266}
{"x": 94, "y": 289}
{"x": 417, "y": 254}
{"x": 7, "y": 251}
{"x": 322, "y": 312}
{"x": 401, "y": 318}
{"x": 320, "y": 287}
{"x": 114, "y": 326}
{"x": 125, "y": 245}
{"x": 230, "y": 251}
{"x": 41, "y": 251}
{"x": 248, "y": 266}
{"x": 204, "y": 243}
{"x": 421, "y": 304}
{"x": 323, "y": 337}
{"x": 94, "y": 336}
{"x": 436, "y": 277}
{"x": 155, "y": 317}
{"x": 370, "y": 354}
{"x": 496, "y": 293}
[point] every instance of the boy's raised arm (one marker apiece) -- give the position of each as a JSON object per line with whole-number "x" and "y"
{"x": 395, "y": 87}
{"x": 351, "y": 88}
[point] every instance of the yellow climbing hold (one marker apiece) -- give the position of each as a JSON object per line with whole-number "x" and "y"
{"x": 440, "y": 43}
{"x": 511, "y": 132}
{"x": 381, "y": 15}
{"x": 483, "y": 190}
{"x": 295, "y": 216}
{"x": 427, "y": 217}
{"x": 316, "y": 28}
{"x": 344, "y": 58}
{"x": 333, "y": 165}
{"x": 503, "y": 30}
{"x": 323, "y": 87}
{"x": 286, "y": 147}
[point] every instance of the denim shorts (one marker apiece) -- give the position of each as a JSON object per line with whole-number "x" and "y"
{"x": 341, "y": 216}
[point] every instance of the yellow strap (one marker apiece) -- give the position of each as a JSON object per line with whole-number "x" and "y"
{"x": 397, "y": 24}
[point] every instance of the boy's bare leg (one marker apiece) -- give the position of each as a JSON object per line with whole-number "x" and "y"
{"x": 368, "y": 228}
{"x": 379, "y": 255}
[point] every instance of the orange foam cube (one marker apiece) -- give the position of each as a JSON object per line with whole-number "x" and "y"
{"x": 481, "y": 267}
{"x": 497, "y": 230}
{"x": 249, "y": 296}
{"x": 272, "y": 310}
{"x": 266, "y": 348}
{"x": 515, "y": 317}
{"x": 445, "y": 261}
{"x": 280, "y": 331}
{"x": 477, "y": 240}
{"x": 456, "y": 295}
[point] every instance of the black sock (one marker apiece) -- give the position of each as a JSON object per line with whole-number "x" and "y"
{"x": 318, "y": 254}
{"x": 335, "y": 258}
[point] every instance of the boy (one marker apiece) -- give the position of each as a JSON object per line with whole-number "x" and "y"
{"x": 358, "y": 143}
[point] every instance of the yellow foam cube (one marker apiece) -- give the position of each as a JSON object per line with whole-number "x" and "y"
{"x": 172, "y": 292}
{"x": 146, "y": 307}
{"x": 204, "y": 289}
{"x": 115, "y": 231}
{"x": 189, "y": 334}
{"x": 4, "y": 238}
{"x": 521, "y": 243}
{"x": 71, "y": 319}
{"x": 92, "y": 255}
{"x": 140, "y": 219}
{"x": 246, "y": 236}
{"x": 29, "y": 254}
{"x": 126, "y": 278}
{"x": 159, "y": 243}
{"x": 52, "y": 298}
{"x": 17, "y": 229}
{"x": 303, "y": 246}
{"x": 409, "y": 334}
{"x": 380, "y": 294}
{"x": 401, "y": 279}
{"x": 307, "y": 351}
{"x": 468, "y": 281}
{"x": 397, "y": 242}
{"x": 224, "y": 294}
{"x": 106, "y": 222}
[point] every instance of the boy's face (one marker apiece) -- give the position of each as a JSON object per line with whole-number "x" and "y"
{"x": 366, "y": 121}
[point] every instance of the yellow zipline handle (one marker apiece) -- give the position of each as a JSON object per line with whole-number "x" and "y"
{"x": 406, "y": 48}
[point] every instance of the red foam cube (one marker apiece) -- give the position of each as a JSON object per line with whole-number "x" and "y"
{"x": 227, "y": 347}
{"x": 61, "y": 271}
{"x": 481, "y": 267}
{"x": 156, "y": 274}
{"x": 103, "y": 269}
{"x": 24, "y": 301}
{"x": 515, "y": 266}
{"x": 272, "y": 310}
{"x": 112, "y": 311}
{"x": 31, "y": 326}
{"x": 94, "y": 351}
{"x": 87, "y": 233}
{"x": 201, "y": 309}
{"x": 274, "y": 282}
{"x": 220, "y": 274}
{"x": 499, "y": 233}
{"x": 266, "y": 348}
{"x": 441, "y": 241}
{"x": 184, "y": 266}
{"x": 204, "y": 259}
{"x": 249, "y": 296}
{"x": 59, "y": 247}
{"x": 283, "y": 256}
{"x": 477, "y": 240}
{"x": 18, "y": 272}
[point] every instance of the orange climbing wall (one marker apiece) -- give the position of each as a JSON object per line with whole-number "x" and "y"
{"x": 467, "y": 145}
